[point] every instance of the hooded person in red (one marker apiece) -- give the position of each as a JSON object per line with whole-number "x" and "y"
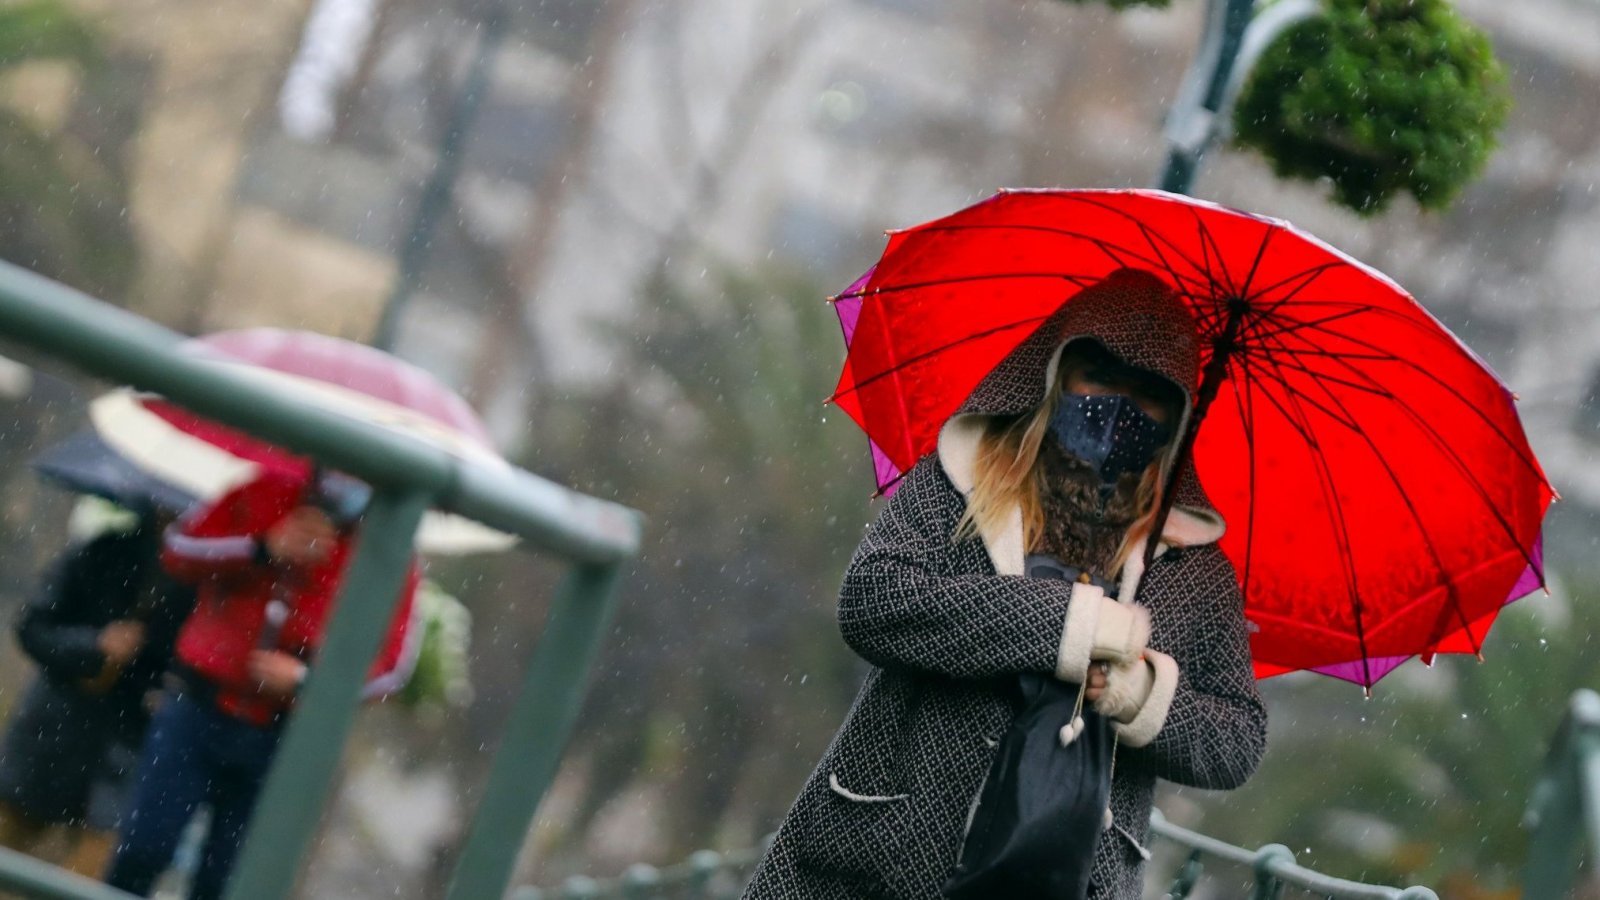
{"x": 267, "y": 561}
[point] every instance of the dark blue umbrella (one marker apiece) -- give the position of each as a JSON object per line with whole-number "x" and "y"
{"x": 85, "y": 464}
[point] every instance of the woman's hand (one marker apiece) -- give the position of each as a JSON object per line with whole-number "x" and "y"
{"x": 120, "y": 641}
{"x": 277, "y": 674}
{"x": 303, "y": 538}
{"x": 1097, "y": 681}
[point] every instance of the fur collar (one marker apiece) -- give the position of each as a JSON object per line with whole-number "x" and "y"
{"x": 958, "y": 455}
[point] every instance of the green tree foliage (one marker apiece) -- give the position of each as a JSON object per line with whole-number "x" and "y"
{"x": 1379, "y": 97}
{"x": 726, "y": 647}
{"x": 1425, "y": 783}
{"x": 63, "y": 208}
{"x": 43, "y": 29}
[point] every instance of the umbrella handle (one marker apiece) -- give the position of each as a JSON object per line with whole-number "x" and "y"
{"x": 273, "y": 617}
{"x": 1222, "y": 349}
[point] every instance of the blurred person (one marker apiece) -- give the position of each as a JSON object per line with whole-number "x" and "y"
{"x": 100, "y": 626}
{"x": 267, "y": 561}
{"x": 1055, "y": 463}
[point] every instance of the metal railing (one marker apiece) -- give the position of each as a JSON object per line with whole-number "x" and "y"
{"x": 705, "y": 875}
{"x": 408, "y": 477}
{"x": 1274, "y": 868}
{"x": 1563, "y": 817}
{"x": 710, "y": 875}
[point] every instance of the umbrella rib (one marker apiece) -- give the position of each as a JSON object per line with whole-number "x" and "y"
{"x": 1243, "y": 399}
{"x": 1105, "y": 246}
{"x": 927, "y": 354}
{"x": 1145, "y": 230}
{"x": 1285, "y": 324}
{"x": 1341, "y": 535}
{"x": 1263, "y": 376}
{"x": 884, "y": 488}
{"x": 1526, "y": 460}
{"x": 1261, "y": 252}
{"x": 1416, "y": 516}
{"x": 1210, "y": 245}
{"x": 1444, "y": 447}
{"x": 1310, "y": 275}
{"x": 1283, "y": 380}
{"x": 1167, "y": 265}
{"x": 1298, "y": 366}
{"x": 1425, "y": 326}
{"x": 864, "y": 293}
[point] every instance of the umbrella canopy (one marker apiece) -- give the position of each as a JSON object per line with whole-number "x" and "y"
{"x": 206, "y": 459}
{"x": 84, "y": 464}
{"x": 1381, "y": 497}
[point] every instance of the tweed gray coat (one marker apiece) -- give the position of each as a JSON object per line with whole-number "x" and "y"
{"x": 944, "y": 624}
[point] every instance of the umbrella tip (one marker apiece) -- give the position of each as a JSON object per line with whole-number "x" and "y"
{"x": 1366, "y": 692}
{"x": 1478, "y": 655}
{"x": 831, "y": 298}
{"x": 1555, "y": 496}
{"x": 875, "y": 495}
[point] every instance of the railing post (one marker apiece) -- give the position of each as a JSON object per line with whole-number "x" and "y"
{"x": 1565, "y": 801}
{"x": 703, "y": 866}
{"x": 580, "y": 887}
{"x": 313, "y": 741}
{"x": 1188, "y": 876}
{"x": 640, "y": 881}
{"x": 1268, "y": 886}
{"x": 530, "y": 752}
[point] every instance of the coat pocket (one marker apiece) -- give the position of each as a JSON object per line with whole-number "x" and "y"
{"x": 854, "y": 832}
{"x": 838, "y": 788}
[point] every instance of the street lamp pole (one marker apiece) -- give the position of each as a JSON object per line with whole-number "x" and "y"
{"x": 1234, "y": 39}
{"x": 436, "y": 194}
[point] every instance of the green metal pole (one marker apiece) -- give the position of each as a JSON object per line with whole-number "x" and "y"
{"x": 537, "y": 732}
{"x": 292, "y": 800}
{"x": 22, "y": 875}
{"x": 441, "y": 184}
{"x": 1565, "y": 801}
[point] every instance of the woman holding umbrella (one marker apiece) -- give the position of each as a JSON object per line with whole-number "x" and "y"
{"x": 1056, "y": 460}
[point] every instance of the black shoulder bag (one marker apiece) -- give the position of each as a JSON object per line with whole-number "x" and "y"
{"x": 1042, "y": 808}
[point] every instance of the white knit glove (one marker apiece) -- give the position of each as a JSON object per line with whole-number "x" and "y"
{"x": 1127, "y": 688}
{"x": 1121, "y": 632}
{"x": 1138, "y": 697}
{"x": 1099, "y": 628}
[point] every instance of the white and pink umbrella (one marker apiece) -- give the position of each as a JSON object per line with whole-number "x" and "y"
{"x": 206, "y": 459}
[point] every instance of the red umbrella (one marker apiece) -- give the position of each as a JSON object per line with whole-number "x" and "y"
{"x": 206, "y": 459}
{"x": 1381, "y": 497}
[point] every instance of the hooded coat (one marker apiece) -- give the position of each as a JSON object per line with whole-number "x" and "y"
{"x": 219, "y": 549}
{"x": 946, "y": 625}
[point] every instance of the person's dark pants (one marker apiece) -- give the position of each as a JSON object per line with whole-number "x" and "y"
{"x": 195, "y": 754}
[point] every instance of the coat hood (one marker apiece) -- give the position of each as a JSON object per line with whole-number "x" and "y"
{"x": 1137, "y": 317}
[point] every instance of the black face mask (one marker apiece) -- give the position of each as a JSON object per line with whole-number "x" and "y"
{"x": 1109, "y": 432}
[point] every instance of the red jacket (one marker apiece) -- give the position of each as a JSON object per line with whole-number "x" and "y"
{"x": 216, "y": 548}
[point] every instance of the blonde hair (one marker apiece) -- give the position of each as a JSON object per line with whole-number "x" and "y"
{"x": 1008, "y": 473}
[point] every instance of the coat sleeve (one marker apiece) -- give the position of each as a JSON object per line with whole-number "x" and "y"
{"x": 51, "y": 629}
{"x": 1215, "y": 731}
{"x": 224, "y": 538}
{"x": 898, "y": 608}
